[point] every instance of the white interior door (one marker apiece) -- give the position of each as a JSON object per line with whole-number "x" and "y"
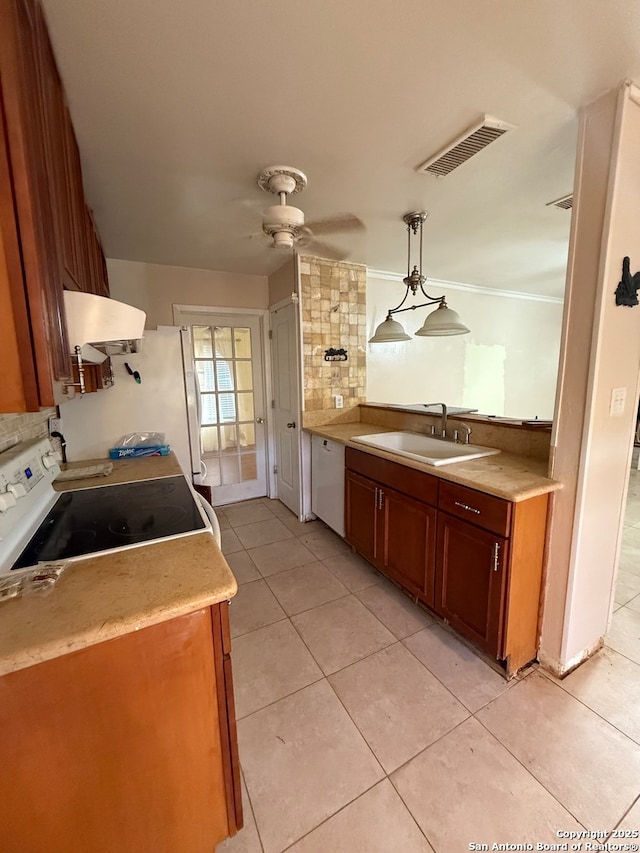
{"x": 227, "y": 352}
{"x": 286, "y": 372}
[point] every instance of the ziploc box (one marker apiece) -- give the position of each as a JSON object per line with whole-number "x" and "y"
{"x": 133, "y": 452}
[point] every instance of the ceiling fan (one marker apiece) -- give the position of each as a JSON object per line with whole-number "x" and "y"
{"x": 285, "y": 225}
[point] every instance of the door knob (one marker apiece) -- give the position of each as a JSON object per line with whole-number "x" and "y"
{"x": 291, "y": 425}
{"x": 259, "y": 420}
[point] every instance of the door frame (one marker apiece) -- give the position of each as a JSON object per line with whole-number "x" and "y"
{"x": 265, "y": 327}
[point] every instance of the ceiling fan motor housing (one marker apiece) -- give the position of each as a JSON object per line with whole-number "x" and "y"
{"x": 284, "y": 223}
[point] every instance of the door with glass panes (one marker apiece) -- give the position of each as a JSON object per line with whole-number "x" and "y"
{"x": 227, "y": 351}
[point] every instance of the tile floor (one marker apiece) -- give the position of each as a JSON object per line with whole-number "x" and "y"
{"x": 366, "y": 727}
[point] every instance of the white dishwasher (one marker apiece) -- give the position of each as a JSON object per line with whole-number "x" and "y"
{"x": 327, "y": 482}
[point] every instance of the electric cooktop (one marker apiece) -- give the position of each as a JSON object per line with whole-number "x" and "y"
{"x": 107, "y": 518}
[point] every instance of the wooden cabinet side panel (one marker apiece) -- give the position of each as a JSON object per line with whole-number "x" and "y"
{"x": 116, "y": 747}
{"x": 227, "y": 715}
{"x": 525, "y": 580}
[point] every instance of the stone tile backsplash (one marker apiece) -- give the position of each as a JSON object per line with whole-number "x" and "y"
{"x": 333, "y": 303}
{"x": 22, "y": 427}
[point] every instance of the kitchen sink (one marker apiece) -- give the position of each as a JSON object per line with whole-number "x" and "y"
{"x": 425, "y": 448}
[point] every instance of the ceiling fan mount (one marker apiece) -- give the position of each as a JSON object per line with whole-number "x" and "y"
{"x": 284, "y": 224}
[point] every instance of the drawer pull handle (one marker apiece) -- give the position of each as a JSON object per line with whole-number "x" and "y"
{"x": 496, "y": 556}
{"x": 467, "y": 507}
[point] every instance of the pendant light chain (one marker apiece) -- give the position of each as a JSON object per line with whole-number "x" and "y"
{"x": 442, "y": 321}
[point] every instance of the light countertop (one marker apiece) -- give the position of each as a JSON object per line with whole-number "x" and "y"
{"x": 109, "y": 595}
{"x": 506, "y": 475}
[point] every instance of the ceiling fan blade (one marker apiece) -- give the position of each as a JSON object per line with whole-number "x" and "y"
{"x": 324, "y": 250}
{"x": 337, "y": 224}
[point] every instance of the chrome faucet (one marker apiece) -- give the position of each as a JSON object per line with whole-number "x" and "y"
{"x": 443, "y": 419}
{"x": 466, "y": 429}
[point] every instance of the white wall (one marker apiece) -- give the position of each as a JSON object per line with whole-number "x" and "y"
{"x": 506, "y": 366}
{"x": 155, "y": 288}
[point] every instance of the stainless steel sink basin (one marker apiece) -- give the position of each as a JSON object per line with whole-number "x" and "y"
{"x": 425, "y": 448}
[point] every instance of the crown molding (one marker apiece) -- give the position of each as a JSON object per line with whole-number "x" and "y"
{"x": 471, "y": 288}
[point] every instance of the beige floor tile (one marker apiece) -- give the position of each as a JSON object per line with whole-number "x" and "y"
{"x": 634, "y": 604}
{"x": 243, "y": 567}
{"x": 305, "y": 587}
{"x": 624, "y": 633}
{"x": 253, "y": 607}
{"x": 278, "y": 508}
{"x": 280, "y": 556}
{"x": 298, "y": 528}
{"x": 341, "y": 632}
{"x": 377, "y": 822}
{"x": 223, "y": 521}
{"x": 610, "y": 685}
{"x": 354, "y": 572}
{"x": 631, "y": 821}
{"x": 246, "y": 841}
{"x": 627, "y": 587}
{"x": 324, "y": 543}
{"x": 460, "y": 669}
{"x": 230, "y": 542}
{"x": 397, "y": 704}
{"x": 467, "y": 788}
{"x": 303, "y": 760}
{"x": 248, "y": 514}
{"x": 394, "y": 609}
{"x": 589, "y": 766}
{"x": 262, "y": 533}
{"x": 630, "y": 551}
{"x": 268, "y": 664}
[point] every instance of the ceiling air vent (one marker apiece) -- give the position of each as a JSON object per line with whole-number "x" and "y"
{"x": 470, "y": 143}
{"x": 564, "y": 203}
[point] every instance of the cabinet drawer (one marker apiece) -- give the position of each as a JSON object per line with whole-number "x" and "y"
{"x": 486, "y": 511}
{"x": 416, "y": 484}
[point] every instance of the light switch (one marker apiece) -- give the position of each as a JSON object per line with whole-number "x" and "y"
{"x": 618, "y": 399}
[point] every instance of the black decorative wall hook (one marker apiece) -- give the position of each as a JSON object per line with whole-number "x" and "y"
{"x": 333, "y": 354}
{"x": 626, "y": 291}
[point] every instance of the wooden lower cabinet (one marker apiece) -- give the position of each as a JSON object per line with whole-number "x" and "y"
{"x": 393, "y": 531}
{"x": 483, "y": 571}
{"x": 362, "y": 515}
{"x": 470, "y": 583}
{"x": 408, "y": 551}
{"x": 126, "y": 745}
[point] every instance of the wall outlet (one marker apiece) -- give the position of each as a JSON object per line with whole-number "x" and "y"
{"x": 618, "y": 399}
{"x": 338, "y": 400}
{"x": 55, "y": 424}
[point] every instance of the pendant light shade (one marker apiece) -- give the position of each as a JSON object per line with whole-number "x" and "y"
{"x": 442, "y": 321}
{"x": 388, "y": 332}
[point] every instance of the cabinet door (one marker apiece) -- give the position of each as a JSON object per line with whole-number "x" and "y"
{"x": 409, "y": 543}
{"x": 470, "y": 581}
{"x": 23, "y": 98}
{"x": 125, "y": 738}
{"x": 55, "y": 143}
{"x": 362, "y": 516}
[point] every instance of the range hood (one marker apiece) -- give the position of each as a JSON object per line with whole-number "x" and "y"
{"x": 93, "y": 319}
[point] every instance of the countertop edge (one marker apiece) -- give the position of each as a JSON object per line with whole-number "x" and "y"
{"x": 541, "y": 486}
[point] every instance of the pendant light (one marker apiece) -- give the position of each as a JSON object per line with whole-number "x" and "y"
{"x": 442, "y": 321}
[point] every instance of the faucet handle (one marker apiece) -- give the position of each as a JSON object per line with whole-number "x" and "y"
{"x": 467, "y": 432}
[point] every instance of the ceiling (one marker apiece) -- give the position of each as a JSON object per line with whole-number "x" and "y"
{"x": 178, "y": 106}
